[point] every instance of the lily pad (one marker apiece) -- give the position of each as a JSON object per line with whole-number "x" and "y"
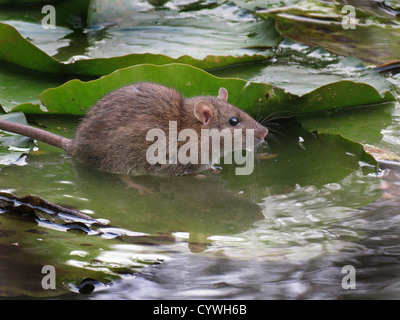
{"x": 49, "y": 41}
{"x": 300, "y": 69}
{"x": 320, "y": 23}
{"x": 208, "y": 39}
{"x": 13, "y": 146}
{"x": 76, "y": 96}
{"x": 19, "y": 86}
{"x": 262, "y": 99}
{"x": 302, "y": 158}
{"x": 19, "y": 51}
{"x": 174, "y": 28}
{"x": 366, "y": 126}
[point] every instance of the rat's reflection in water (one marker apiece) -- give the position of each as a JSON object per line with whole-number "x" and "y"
{"x": 200, "y": 206}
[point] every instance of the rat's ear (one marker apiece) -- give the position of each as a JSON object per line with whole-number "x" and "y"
{"x": 223, "y": 94}
{"x": 203, "y": 112}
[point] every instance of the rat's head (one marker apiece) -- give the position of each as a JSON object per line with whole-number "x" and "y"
{"x": 217, "y": 113}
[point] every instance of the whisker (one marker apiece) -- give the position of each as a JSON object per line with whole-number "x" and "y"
{"x": 277, "y": 134}
{"x": 274, "y": 126}
{"x": 278, "y": 115}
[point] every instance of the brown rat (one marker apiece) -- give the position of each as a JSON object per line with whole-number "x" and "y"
{"x": 112, "y": 136}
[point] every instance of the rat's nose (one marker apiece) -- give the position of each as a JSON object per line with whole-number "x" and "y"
{"x": 263, "y": 132}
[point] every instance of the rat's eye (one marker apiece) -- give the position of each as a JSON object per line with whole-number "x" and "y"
{"x": 234, "y": 121}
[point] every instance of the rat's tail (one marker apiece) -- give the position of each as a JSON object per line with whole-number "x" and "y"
{"x": 35, "y": 133}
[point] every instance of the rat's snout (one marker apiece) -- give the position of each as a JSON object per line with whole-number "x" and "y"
{"x": 264, "y": 132}
{"x": 260, "y": 133}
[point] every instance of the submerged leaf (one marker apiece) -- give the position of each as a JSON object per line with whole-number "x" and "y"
{"x": 19, "y": 87}
{"x": 303, "y": 158}
{"x": 12, "y": 145}
{"x": 33, "y": 235}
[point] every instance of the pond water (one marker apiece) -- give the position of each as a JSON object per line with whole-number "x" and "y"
{"x": 293, "y": 229}
{"x": 285, "y": 231}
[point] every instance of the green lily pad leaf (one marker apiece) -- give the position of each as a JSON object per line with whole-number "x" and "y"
{"x": 208, "y": 40}
{"x": 365, "y": 126}
{"x": 329, "y": 97}
{"x": 49, "y": 41}
{"x": 320, "y": 23}
{"x": 19, "y": 87}
{"x": 304, "y": 158}
{"x": 13, "y": 146}
{"x": 262, "y": 99}
{"x": 17, "y": 50}
{"x": 354, "y": 157}
{"x": 316, "y": 68}
{"x": 103, "y": 66}
{"x": 70, "y": 16}
{"x": 76, "y": 96}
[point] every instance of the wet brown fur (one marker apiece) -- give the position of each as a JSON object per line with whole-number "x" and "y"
{"x": 112, "y": 136}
